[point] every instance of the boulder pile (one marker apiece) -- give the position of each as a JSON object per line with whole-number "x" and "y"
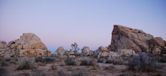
{"x": 28, "y": 45}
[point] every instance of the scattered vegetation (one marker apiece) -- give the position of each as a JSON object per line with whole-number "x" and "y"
{"x": 45, "y": 59}
{"x": 26, "y": 64}
{"x": 70, "y": 61}
{"x": 88, "y": 62}
{"x": 3, "y": 62}
{"x": 3, "y": 72}
{"x": 54, "y": 67}
{"x": 102, "y": 60}
{"x": 143, "y": 62}
{"x": 162, "y": 59}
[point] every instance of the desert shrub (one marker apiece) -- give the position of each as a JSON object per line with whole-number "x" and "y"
{"x": 38, "y": 59}
{"x": 45, "y": 59}
{"x": 102, "y": 60}
{"x": 116, "y": 61}
{"x": 162, "y": 59}
{"x": 3, "y": 62}
{"x": 26, "y": 64}
{"x": 142, "y": 62}
{"x": 54, "y": 67}
{"x": 13, "y": 60}
{"x": 88, "y": 62}
{"x": 3, "y": 72}
{"x": 109, "y": 68}
{"x": 70, "y": 61}
{"x": 49, "y": 59}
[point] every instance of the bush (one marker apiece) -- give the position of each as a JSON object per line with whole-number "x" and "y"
{"x": 162, "y": 59}
{"x": 25, "y": 65}
{"x": 70, "y": 61}
{"x": 88, "y": 62}
{"x": 3, "y": 72}
{"x": 54, "y": 67}
{"x": 3, "y": 62}
{"x": 142, "y": 62}
{"x": 45, "y": 59}
{"x": 102, "y": 60}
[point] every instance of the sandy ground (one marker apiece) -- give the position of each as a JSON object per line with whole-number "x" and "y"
{"x": 101, "y": 70}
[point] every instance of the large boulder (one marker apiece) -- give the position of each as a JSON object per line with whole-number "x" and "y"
{"x": 28, "y": 45}
{"x": 121, "y": 57}
{"x": 103, "y": 52}
{"x": 134, "y": 39}
{"x": 86, "y": 51}
{"x": 128, "y": 38}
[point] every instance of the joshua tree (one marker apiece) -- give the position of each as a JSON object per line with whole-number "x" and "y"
{"x": 74, "y": 47}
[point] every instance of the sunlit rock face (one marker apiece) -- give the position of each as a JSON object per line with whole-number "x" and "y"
{"x": 28, "y": 45}
{"x": 134, "y": 39}
{"x": 102, "y": 52}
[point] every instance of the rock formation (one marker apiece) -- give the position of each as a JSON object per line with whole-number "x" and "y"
{"x": 59, "y": 51}
{"x": 157, "y": 45}
{"x": 86, "y": 51}
{"x": 134, "y": 39}
{"x": 28, "y": 45}
{"x": 102, "y": 52}
{"x": 3, "y": 46}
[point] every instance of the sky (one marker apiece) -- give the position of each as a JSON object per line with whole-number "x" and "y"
{"x": 87, "y": 22}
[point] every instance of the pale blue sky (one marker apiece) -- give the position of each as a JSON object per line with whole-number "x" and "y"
{"x": 87, "y": 22}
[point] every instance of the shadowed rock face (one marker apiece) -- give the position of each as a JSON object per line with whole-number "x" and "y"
{"x": 137, "y": 40}
{"x": 28, "y": 45}
{"x": 3, "y": 46}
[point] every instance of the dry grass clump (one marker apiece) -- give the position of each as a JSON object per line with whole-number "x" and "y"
{"x": 45, "y": 59}
{"x": 3, "y": 72}
{"x": 26, "y": 64}
{"x": 54, "y": 67}
{"x": 70, "y": 61}
{"x": 3, "y": 62}
{"x": 143, "y": 62}
{"x": 88, "y": 62}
